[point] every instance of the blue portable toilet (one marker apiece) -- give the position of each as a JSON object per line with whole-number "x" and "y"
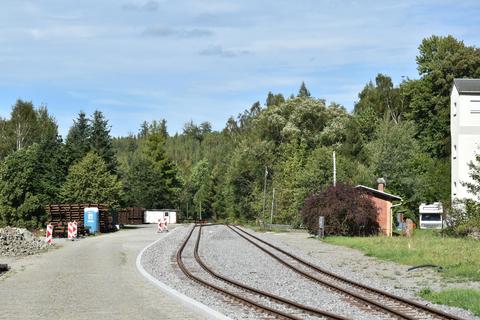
{"x": 91, "y": 219}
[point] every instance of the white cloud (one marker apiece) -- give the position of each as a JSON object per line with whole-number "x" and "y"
{"x": 177, "y": 33}
{"x": 148, "y": 6}
{"x": 217, "y": 50}
{"x": 66, "y": 32}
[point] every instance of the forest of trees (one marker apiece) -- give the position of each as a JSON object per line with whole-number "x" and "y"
{"x": 398, "y": 132}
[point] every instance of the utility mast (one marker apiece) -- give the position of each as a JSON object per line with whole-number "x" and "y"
{"x": 334, "y": 170}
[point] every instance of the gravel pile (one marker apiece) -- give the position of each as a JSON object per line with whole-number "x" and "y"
{"x": 19, "y": 242}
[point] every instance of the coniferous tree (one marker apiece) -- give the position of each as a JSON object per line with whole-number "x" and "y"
{"x": 274, "y": 99}
{"x": 101, "y": 142}
{"x": 151, "y": 177}
{"x": 77, "y": 144}
{"x": 143, "y": 130}
{"x": 90, "y": 181}
{"x": 303, "y": 91}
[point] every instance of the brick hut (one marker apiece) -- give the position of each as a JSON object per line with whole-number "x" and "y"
{"x": 383, "y": 202}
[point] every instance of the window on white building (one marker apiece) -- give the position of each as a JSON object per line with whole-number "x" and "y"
{"x": 454, "y": 151}
{"x": 455, "y": 188}
{"x": 454, "y": 109}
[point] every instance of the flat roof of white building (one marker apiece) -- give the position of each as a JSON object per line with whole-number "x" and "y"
{"x": 467, "y": 86}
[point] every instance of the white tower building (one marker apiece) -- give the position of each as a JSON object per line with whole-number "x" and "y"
{"x": 465, "y": 132}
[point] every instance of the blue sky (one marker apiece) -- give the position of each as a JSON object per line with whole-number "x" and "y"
{"x": 204, "y": 60}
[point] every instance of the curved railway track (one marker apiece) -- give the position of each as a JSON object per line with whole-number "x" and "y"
{"x": 383, "y": 301}
{"x": 297, "y": 310}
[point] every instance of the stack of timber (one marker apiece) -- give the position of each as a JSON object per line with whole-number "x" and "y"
{"x": 131, "y": 216}
{"x": 60, "y": 214}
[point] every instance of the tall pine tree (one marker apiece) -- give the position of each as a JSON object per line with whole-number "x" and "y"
{"x": 101, "y": 142}
{"x": 303, "y": 91}
{"x": 77, "y": 143}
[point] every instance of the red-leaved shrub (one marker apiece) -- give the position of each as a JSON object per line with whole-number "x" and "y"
{"x": 347, "y": 211}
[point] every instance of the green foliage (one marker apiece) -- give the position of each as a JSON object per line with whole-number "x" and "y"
{"x": 473, "y": 186}
{"x": 149, "y": 176}
{"x": 90, "y": 181}
{"x": 464, "y": 215}
{"x": 29, "y": 179}
{"x": 297, "y": 119}
{"x": 303, "y": 91}
{"x": 274, "y": 99}
{"x": 440, "y": 60}
{"x": 31, "y": 176}
{"x": 201, "y": 185}
{"x": 26, "y": 126}
{"x": 144, "y": 185}
{"x": 359, "y": 131}
{"x": 19, "y": 195}
{"x": 101, "y": 142}
{"x": 391, "y": 155}
{"x": 468, "y": 299}
{"x": 78, "y": 139}
{"x": 460, "y": 257}
{"x": 382, "y": 97}
{"x": 91, "y": 135}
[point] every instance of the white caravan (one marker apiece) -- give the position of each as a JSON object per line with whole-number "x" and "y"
{"x": 431, "y": 216}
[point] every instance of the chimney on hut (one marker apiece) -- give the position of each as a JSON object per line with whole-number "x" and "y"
{"x": 381, "y": 184}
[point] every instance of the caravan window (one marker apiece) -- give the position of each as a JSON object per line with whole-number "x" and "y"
{"x": 431, "y": 217}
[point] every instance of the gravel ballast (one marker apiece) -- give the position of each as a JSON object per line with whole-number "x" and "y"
{"x": 352, "y": 264}
{"x": 232, "y": 256}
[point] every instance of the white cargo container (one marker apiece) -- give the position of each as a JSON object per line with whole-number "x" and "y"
{"x": 431, "y": 215}
{"x": 172, "y": 216}
{"x": 152, "y": 216}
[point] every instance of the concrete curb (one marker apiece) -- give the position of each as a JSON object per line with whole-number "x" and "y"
{"x": 186, "y": 301}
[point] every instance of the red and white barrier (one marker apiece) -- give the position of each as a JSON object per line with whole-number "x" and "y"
{"x": 160, "y": 225}
{"x": 72, "y": 230}
{"x": 75, "y": 228}
{"x": 49, "y": 235}
{"x": 165, "y": 221}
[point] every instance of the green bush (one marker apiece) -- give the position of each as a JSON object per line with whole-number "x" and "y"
{"x": 463, "y": 218}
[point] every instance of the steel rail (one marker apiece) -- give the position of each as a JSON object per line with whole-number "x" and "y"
{"x": 397, "y": 299}
{"x": 230, "y": 294}
{"x": 262, "y": 293}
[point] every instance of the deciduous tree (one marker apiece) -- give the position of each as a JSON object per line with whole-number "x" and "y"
{"x": 347, "y": 211}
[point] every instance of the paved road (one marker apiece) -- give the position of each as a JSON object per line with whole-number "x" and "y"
{"x": 94, "y": 278}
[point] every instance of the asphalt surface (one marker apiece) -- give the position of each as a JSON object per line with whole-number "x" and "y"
{"x": 93, "y": 278}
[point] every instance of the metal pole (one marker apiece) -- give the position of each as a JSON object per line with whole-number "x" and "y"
{"x": 334, "y": 170}
{"x": 200, "y": 210}
{"x": 264, "y": 192}
{"x": 187, "y": 208}
{"x": 273, "y": 203}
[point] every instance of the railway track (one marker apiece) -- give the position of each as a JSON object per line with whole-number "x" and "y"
{"x": 383, "y": 301}
{"x": 245, "y": 294}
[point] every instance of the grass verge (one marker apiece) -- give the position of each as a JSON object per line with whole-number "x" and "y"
{"x": 468, "y": 299}
{"x": 460, "y": 257}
